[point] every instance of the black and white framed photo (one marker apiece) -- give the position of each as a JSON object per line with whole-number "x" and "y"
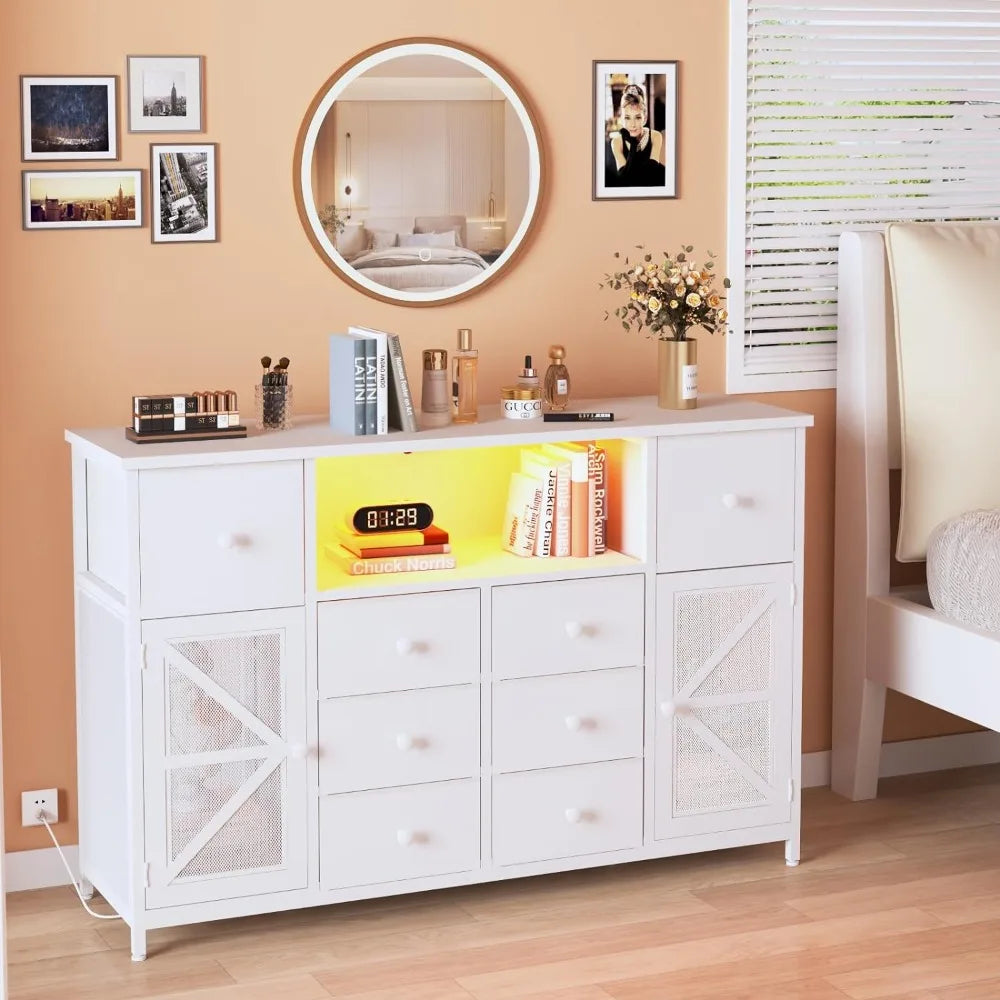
{"x": 82, "y": 199}
{"x": 183, "y": 189}
{"x": 165, "y": 94}
{"x": 635, "y": 129}
{"x": 69, "y": 117}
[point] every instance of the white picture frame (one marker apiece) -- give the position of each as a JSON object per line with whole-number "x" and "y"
{"x": 183, "y": 192}
{"x": 165, "y": 94}
{"x": 81, "y": 199}
{"x": 69, "y": 118}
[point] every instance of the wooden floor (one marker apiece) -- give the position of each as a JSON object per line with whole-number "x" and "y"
{"x": 898, "y": 898}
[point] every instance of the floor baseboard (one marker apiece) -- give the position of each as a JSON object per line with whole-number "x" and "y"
{"x": 42, "y": 869}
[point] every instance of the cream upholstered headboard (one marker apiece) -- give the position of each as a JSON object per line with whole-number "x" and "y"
{"x": 945, "y": 285}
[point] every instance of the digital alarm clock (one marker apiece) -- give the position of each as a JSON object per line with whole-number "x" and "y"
{"x": 392, "y": 517}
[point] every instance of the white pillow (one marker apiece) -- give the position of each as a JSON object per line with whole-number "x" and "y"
{"x": 428, "y": 239}
{"x": 382, "y": 239}
{"x": 946, "y": 295}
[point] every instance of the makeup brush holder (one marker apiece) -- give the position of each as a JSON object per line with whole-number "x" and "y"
{"x": 273, "y": 404}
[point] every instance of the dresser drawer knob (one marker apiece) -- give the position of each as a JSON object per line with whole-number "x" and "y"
{"x": 669, "y": 709}
{"x": 574, "y": 723}
{"x": 405, "y": 646}
{"x": 298, "y": 751}
{"x": 406, "y": 742}
{"x": 574, "y": 816}
{"x": 730, "y": 501}
{"x": 231, "y": 540}
{"x": 574, "y": 630}
{"x": 405, "y": 838}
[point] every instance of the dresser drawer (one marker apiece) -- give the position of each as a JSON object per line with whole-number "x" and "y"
{"x": 398, "y": 643}
{"x": 566, "y": 811}
{"x": 569, "y": 719}
{"x": 399, "y": 833}
{"x": 377, "y": 740}
{"x": 225, "y": 538}
{"x": 555, "y": 628}
{"x": 726, "y": 500}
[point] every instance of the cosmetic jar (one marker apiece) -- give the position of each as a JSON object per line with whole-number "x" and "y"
{"x": 520, "y": 402}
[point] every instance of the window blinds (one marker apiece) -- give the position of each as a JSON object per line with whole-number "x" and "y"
{"x": 858, "y": 113}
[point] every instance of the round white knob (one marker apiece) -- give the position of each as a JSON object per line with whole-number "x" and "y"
{"x": 574, "y": 723}
{"x": 405, "y": 742}
{"x": 298, "y": 751}
{"x": 405, "y": 646}
{"x": 227, "y": 540}
{"x": 574, "y": 630}
{"x": 573, "y": 815}
{"x": 730, "y": 500}
{"x": 668, "y": 709}
{"x": 405, "y": 837}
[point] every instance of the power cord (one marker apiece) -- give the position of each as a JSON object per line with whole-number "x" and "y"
{"x": 69, "y": 871}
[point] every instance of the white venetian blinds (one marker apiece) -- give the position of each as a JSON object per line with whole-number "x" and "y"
{"x": 857, "y": 113}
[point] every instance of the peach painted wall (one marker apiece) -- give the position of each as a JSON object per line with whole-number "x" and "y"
{"x": 89, "y": 318}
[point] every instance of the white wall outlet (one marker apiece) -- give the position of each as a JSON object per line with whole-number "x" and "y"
{"x": 46, "y": 799}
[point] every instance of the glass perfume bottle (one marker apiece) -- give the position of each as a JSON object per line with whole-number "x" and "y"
{"x": 435, "y": 407}
{"x": 557, "y": 379}
{"x": 464, "y": 380}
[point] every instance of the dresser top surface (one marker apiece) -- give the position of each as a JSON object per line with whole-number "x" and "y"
{"x": 311, "y": 437}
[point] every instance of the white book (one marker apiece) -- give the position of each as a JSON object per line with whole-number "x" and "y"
{"x": 545, "y": 469}
{"x": 381, "y": 374}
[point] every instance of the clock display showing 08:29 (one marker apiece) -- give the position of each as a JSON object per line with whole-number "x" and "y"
{"x": 392, "y": 517}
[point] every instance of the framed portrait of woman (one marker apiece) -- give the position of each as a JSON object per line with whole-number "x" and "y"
{"x": 635, "y": 129}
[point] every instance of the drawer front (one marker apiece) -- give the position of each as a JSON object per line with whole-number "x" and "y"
{"x": 556, "y": 628}
{"x": 398, "y": 643}
{"x": 567, "y": 811}
{"x": 377, "y": 740}
{"x": 399, "y": 833}
{"x": 226, "y": 538}
{"x": 570, "y": 719}
{"x": 726, "y": 500}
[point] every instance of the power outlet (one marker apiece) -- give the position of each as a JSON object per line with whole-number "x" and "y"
{"x": 46, "y": 799}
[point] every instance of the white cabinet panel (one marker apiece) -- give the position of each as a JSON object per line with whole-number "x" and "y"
{"x": 569, "y": 719}
{"x": 554, "y": 628}
{"x": 724, "y": 700}
{"x": 228, "y": 538}
{"x": 224, "y": 756}
{"x": 398, "y": 643}
{"x": 398, "y": 739}
{"x": 726, "y": 500}
{"x": 399, "y": 833}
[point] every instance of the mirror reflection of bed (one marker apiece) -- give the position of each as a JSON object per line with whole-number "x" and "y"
{"x": 427, "y": 163}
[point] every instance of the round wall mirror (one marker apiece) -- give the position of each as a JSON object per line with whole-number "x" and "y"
{"x": 418, "y": 172}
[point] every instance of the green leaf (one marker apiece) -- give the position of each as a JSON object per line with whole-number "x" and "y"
{"x": 625, "y": 325}
{"x": 681, "y": 258}
{"x": 689, "y": 249}
{"x": 727, "y": 283}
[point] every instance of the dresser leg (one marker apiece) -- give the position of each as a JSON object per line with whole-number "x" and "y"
{"x": 86, "y": 889}
{"x": 792, "y": 848}
{"x": 138, "y": 944}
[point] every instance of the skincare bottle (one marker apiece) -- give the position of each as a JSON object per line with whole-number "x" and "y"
{"x": 528, "y": 377}
{"x": 464, "y": 379}
{"x": 435, "y": 399}
{"x": 557, "y": 379}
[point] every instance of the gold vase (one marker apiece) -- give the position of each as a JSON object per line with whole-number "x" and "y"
{"x": 678, "y": 364}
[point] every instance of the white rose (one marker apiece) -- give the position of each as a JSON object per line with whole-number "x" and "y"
{"x": 693, "y": 300}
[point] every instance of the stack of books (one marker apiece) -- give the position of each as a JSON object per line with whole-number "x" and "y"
{"x": 557, "y": 504}
{"x": 392, "y": 551}
{"x": 369, "y": 390}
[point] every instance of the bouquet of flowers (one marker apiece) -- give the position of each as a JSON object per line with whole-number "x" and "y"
{"x": 332, "y": 221}
{"x": 669, "y": 298}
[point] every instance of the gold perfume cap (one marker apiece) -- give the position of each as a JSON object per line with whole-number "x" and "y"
{"x": 435, "y": 359}
{"x": 520, "y": 392}
{"x": 464, "y": 339}
{"x": 557, "y": 352}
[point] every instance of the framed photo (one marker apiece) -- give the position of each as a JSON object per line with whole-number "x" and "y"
{"x": 69, "y": 117}
{"x": 82, "y": 199}
{"x": 635, "y": 130}
{"x": 183, "y": 187}
{"x": 165, "y": 94}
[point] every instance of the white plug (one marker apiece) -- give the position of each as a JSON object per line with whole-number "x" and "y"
{"x": 45, "y": 800}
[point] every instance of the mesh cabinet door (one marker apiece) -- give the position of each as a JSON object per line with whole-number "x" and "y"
{"x": 724, "y": 689}
{"x": 224, "y": 727}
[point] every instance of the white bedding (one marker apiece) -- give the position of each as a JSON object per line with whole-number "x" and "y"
{"x": 416, "y": 268}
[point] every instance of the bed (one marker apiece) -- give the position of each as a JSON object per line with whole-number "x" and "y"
{"x": 375, "y": 252}
{"x": 896, "y": 410}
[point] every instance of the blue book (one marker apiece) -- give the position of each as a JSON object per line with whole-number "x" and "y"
{"x": 348, "y": 383}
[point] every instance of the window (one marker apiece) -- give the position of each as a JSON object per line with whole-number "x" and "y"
{"x": 845, "y": 114}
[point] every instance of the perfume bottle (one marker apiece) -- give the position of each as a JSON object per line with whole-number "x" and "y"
{"x": 528, "y": 378}
{"x": 435, "y": 406}
{"x": 557, "y": 379}
{"x": 464, "y": 379}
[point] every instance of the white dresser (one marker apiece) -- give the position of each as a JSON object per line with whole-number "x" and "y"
{"x": 258, "y": 730}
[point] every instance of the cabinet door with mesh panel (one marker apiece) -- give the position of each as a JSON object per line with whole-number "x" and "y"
{"x": 724, "y": 689}
{"x": 224, "y": 744}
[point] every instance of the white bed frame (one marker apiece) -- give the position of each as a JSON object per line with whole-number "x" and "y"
{"x": 884, "y": 638}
